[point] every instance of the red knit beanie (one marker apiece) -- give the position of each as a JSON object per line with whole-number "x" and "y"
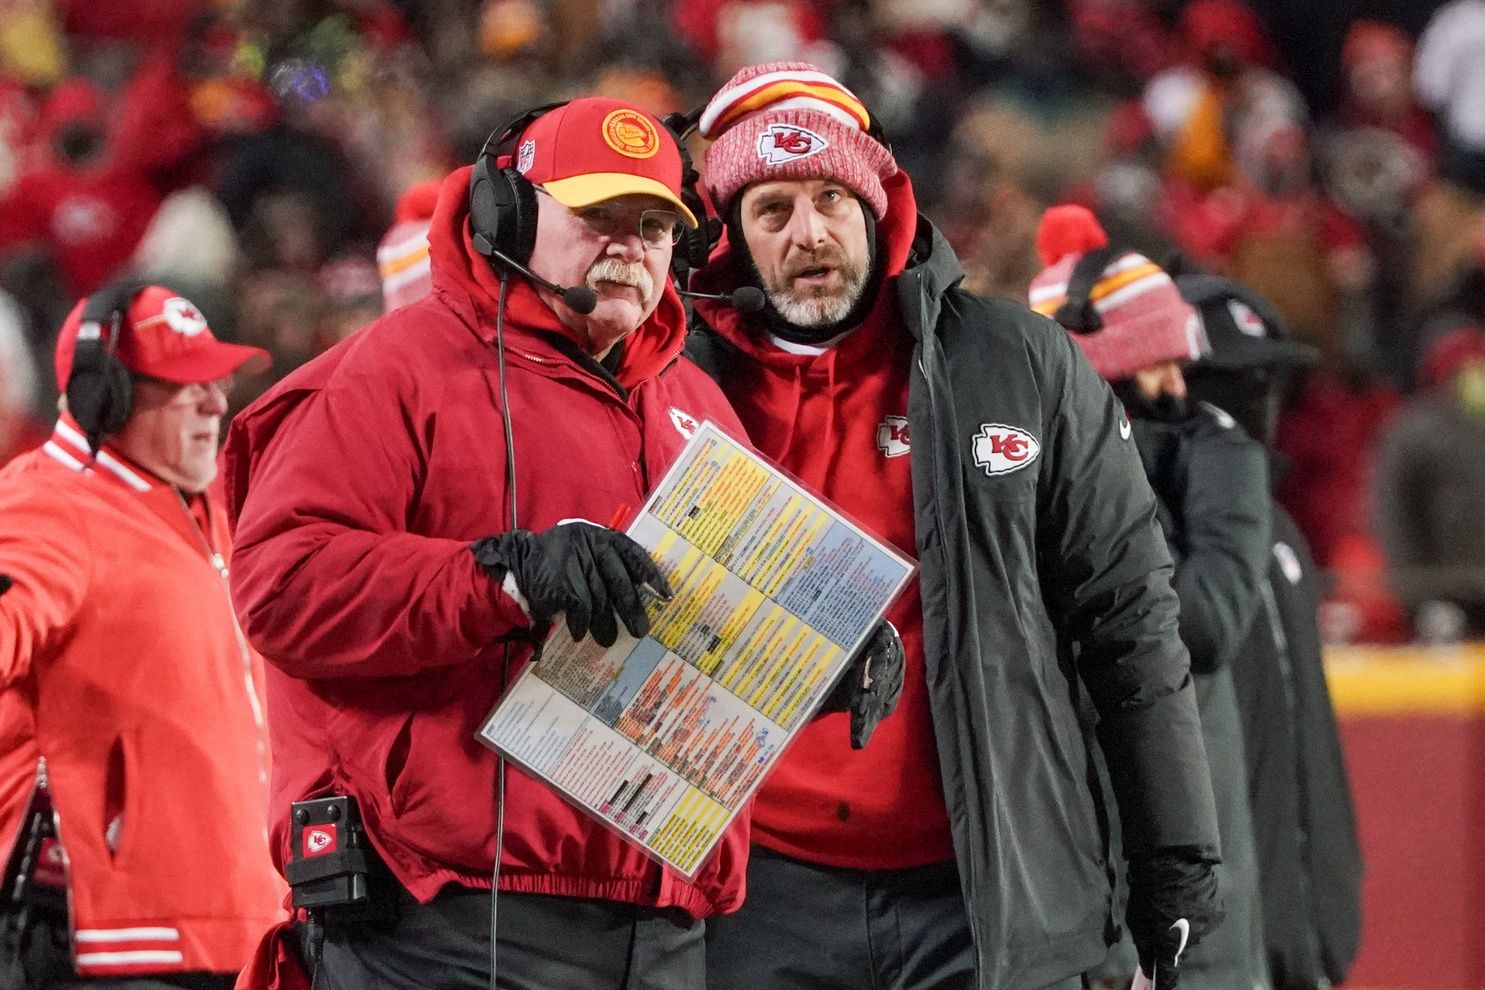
{"x": 1145, "y": 320}
{"x": 789, "y": 120}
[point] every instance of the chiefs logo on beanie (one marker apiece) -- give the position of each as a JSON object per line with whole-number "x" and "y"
{"x": 789, "y": 120}
{"x": 1145, "y": 321}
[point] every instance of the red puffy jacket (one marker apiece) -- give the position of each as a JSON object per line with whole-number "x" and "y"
{"x": 358, "y": 485}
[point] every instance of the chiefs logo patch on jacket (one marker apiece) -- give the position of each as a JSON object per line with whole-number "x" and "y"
{"x": 1001, "y": 449}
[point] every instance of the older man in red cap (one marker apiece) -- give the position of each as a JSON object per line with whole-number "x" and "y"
{"x": 409, "y": 524}
{"x": 117, "y": 629}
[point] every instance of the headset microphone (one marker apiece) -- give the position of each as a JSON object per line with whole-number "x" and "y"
{"x": 579, "y": 298}
{"x": 744, "y": 299}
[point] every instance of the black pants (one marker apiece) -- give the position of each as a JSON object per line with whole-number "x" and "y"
{"x": 808, "y": 927}
{"x": 544, "y": 943}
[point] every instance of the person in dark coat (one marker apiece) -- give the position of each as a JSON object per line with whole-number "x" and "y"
{"x": 1211, "y": 480}
{"x": 1309, "y": 857}
{"x": 970, "y": 846}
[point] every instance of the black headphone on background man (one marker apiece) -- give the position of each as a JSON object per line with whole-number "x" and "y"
{"x": 100, "y": 391}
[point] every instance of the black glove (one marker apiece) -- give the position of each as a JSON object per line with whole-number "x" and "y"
{"x": 589, "y": 573}
{"x": 1173, "y": 904}
{"x": 871, "y": 684}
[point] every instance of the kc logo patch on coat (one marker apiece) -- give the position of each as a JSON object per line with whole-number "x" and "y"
{"x": 781, "y": 144}
{"x": 1001, "y": 449}
{"x": 892, "y": 436}
{"x": 685, "y": 424}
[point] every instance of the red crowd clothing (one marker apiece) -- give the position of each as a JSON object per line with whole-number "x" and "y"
{"x": 838, "y": 421}
{"x": 148, "y": 708}
{"x": 359, "y": 484}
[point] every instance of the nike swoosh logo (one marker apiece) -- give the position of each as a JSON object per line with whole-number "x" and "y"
{"x": 1183, "y": 929}
{"x": 1124, "y": 429}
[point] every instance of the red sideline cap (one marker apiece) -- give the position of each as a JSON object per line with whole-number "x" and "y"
{"x": 164, "y": 336}
{"x": 595, "y": 149}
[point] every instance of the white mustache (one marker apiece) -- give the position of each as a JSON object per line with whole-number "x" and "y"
{"x": 624, "y": 273}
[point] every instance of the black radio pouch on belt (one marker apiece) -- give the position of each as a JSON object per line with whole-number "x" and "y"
{"x": 33, "y": 892}
{"x": 333, "y": 871}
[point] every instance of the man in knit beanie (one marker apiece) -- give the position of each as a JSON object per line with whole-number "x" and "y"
{"x": 966, "y": 846}
{"x": 1128, "y": 316}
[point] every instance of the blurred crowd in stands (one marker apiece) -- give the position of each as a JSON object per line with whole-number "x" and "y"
{"x": 1331, "y": 154}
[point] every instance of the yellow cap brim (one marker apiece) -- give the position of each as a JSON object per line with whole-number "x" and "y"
{"x": 585, "y": 190}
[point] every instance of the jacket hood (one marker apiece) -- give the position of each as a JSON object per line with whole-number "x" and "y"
{"x": 896, "y": 234}
{"x": 465, "y": 280}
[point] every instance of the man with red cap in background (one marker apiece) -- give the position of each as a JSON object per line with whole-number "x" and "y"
{"x": 417, "y": 506}
{"x": 1126, "y": 315}
{"x": 118, "y": 631}
{"x": 969, "y": 845}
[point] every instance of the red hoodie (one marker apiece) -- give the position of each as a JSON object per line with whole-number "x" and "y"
{"x": 358, "y": 484}
{"x": 837, "y": 421}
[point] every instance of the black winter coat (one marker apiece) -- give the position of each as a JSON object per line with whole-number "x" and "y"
{"x": 1050, "y": 626}
{"x": 1212, "y": 482}
{"x": 1308, "y": 855}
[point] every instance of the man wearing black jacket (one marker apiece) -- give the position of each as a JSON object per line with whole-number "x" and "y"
{"x": 1211, "y": 481}
{"x": 1309, "y": 859}
{"x": 970, "y": 845}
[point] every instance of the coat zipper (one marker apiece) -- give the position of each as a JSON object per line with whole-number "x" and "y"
{"x": 219, "y": 564}
{"x": 971, "y": 895}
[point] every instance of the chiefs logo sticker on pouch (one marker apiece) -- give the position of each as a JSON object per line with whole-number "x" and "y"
{"x": 785, "y": 143}
{"x": 630, "y": 133}
{"x": 685, "y": 424}
{"x": 1001, "y": 449}
{"x": 320, "y": 839}
{"x": 892, "y": 436}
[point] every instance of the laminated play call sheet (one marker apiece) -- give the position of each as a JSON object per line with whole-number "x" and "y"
{"x": 665, "y": 738}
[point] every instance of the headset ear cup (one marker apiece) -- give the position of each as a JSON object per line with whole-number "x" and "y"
{"x": 516, "y": 201}
{"x": 502, "y": 212}
{"x": 484, "y": 218}
{"x": 100, "y": 393}
{"x": 118, "y": 387}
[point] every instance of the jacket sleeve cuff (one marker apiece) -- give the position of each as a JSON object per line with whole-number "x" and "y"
{"x": 496, "y": 607}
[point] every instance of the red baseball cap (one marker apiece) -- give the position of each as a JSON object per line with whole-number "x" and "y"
{"x": 164, "y": 336}
{"x": 595, "y": 149}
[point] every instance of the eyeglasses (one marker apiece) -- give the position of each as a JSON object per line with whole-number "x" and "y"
{"x": 657, "y": 228}
{"x": 193, "y": 392}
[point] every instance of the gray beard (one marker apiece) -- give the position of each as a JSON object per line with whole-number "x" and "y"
{"x": 818, "y": 311}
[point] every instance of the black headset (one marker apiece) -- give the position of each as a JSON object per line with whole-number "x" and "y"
{"x": 100, "y": 392}
{"x": 502, "y": 201}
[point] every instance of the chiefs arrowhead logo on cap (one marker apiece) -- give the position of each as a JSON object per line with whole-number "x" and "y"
{"x": 182, "y": 316}
{"x": 630, "y": 133}
{"x": 1247, "y": 321}
{"x": 784, "y": 143}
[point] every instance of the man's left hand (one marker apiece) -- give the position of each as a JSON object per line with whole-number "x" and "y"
{"x": 871, "y": 685}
